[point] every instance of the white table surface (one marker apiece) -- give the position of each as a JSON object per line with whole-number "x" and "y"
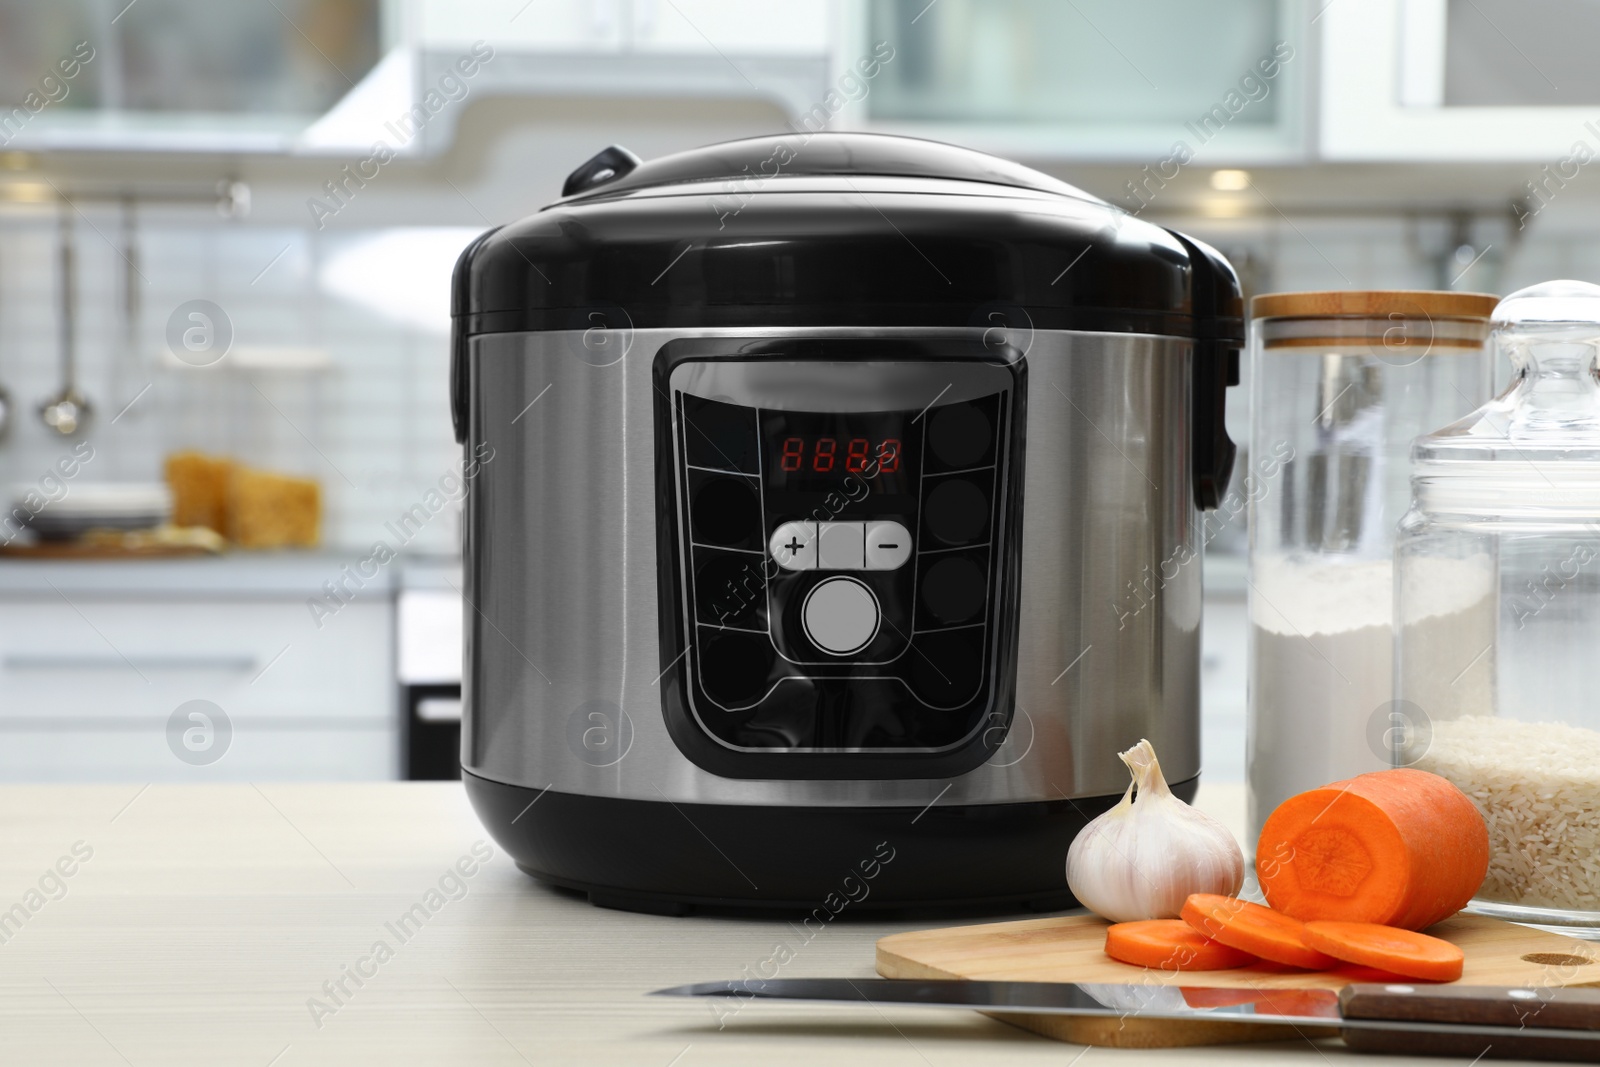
{"x": 209, "y": 915}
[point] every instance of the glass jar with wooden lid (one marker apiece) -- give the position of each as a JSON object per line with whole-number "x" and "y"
{"x": 1341, "y": 383}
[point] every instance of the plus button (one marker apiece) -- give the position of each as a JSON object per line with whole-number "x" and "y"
{"x": 793, "y": 546}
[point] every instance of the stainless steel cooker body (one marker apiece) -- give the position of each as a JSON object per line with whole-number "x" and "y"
{"x": 567, "y": 666}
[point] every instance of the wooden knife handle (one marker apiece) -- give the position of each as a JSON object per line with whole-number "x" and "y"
{"x": 1546, "y": 1007}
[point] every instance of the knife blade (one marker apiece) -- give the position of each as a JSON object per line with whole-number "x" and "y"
{"x": 1548, "y": 1023}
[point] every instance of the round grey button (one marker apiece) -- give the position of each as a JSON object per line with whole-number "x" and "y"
{"x": 840, "y": 615}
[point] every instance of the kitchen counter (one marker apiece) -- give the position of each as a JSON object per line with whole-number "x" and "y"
{"x": 246, "y": 574}
{"x": 205, "y": 918}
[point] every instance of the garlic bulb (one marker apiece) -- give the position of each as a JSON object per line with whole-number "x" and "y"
{"x": 1143, "y": 858}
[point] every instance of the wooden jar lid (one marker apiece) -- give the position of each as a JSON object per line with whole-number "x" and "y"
{"x": 1374, "y": 304}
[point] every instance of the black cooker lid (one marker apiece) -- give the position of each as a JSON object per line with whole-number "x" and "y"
{"x": 837, "y": 229}
{"x": 617, "y": 170}
{"x": 850, "y": 229}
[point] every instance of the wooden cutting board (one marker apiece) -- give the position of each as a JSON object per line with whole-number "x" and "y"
{"x": 1071, "y": 949}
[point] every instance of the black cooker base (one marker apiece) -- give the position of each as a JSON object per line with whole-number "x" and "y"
{"x": 821, "y": 863}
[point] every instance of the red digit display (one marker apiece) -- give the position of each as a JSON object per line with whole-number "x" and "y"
{"x": 855, "y": 458}
{"x": 889, "y": 456}
{"x": 865, "y": 455}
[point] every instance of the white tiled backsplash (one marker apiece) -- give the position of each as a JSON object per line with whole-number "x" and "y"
{"x": 373, "y": 425}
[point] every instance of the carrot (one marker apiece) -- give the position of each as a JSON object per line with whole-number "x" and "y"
{"x": 1170, "y": 945}
{"x": 1400, "y": 847}
{"x": 1261, "y": 931}
{"x": 1353, "y": 973}
{"x": 1403, "y": 952}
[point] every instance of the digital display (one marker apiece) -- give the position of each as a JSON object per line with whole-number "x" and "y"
{"x": 823, "y": 454}
{"x": 817, "y": 450}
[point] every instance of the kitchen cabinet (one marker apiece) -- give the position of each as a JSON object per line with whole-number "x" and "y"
{"x": 735, "y": 27}
{"x": 429, "y": 616}
{"x": 1464, "y": 80}
{"x": 1095, "y": 79}
{"x": 683, "y": 27}
{"x": 781, "y": 51}
{"x": 98, "y": 685}
{"x": 528, "y": 25}
{"x": 309, "y": 78}
{"x": 181, "y": 75}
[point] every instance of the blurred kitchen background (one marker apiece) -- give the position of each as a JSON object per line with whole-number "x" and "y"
{"x": 301, "y": 174}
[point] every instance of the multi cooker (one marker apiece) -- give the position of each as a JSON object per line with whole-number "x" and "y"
{"x": 837, "y": 520}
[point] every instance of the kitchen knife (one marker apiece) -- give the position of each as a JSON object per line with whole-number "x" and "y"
{"x": 1547, "y": 1023}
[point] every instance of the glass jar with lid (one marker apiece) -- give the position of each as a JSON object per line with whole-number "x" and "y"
{"x": 1341, "y": 383}
{"x": 1497, "y": 600}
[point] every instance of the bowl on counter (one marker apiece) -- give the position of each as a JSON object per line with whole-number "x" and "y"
{"x": 90, "y": 506}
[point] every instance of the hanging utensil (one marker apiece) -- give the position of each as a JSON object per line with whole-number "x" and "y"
{"x": 126, "y": 363}
{"x": 68, "y": 412}
{"x": 5, "y": 412}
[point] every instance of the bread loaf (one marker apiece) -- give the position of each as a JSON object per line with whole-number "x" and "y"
{"x": 269, "y": 510}
{"x": 199, "y": 485}
{"x": 251, "y": 508}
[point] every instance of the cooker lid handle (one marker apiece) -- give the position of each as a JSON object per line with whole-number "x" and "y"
{"x": 606, "y": 165}
{"x": 1216, "y": 369}
{"x": 1217, "y": 303}
{"x": 460, "y": 305}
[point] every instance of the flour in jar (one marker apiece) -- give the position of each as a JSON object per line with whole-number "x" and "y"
{"x": 1322, "y": 663}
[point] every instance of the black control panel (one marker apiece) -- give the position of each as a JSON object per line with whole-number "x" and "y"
{"x": 843, "y": 576}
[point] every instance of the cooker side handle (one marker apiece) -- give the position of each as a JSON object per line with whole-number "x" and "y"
{"x": 1217, "y": 304}
{"x": 461, "y": 331}
{"x": 1216, "y": 369}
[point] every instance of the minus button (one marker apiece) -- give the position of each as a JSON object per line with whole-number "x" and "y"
{"x": 888, "y": 545}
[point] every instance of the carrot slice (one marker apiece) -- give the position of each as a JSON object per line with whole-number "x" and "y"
{"x": 1400, "y": 847}
{"x": 1170, "y": 945}
{"x": 1388, "y": 948}
{"x": 1321, "y": 1003}
{"x": 1199, "y": 996}
{"x": 1257, "y": 930}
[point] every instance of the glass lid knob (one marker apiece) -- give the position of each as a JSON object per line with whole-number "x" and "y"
{"x": 1538, "y": 443}
{"x": 1551, "y": 329}
{"x": 1563, "y": 301}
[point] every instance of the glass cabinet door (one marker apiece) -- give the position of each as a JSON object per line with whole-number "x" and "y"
{"x": 78, "y": 73}
{"x": 1091, "y": 74}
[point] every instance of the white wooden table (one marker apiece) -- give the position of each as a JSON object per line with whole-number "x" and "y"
{"x": 206, "y": 922}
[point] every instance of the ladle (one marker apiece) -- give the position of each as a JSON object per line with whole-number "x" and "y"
{"x": 69, "y": 410}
